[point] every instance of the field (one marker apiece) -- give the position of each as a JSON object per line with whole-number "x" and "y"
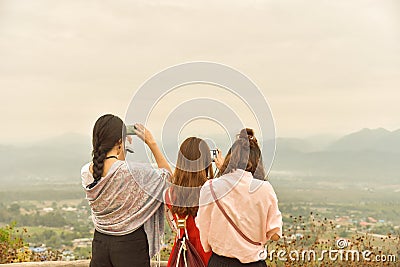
{"x": 57, "y": 217}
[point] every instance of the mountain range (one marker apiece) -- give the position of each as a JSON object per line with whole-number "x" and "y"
{"x": 369, "y": 155}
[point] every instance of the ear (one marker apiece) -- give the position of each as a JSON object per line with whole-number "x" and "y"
{"x": 118, "y": 145}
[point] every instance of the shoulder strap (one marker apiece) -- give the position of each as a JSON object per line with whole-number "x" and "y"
{"x": 230, "y": 220}
{"x": 181, "y": 225}
{"x": 175, "y": 222}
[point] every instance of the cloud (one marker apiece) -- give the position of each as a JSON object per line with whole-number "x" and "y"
{"x": 316, "y": 61}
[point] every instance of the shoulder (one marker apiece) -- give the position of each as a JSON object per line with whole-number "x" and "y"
{"x": 163, "y": 173}
{"x": 123, "y": 168}
{"x": 133, "y": 168}
{"x": 268, "y": 190}
{"x": 145, "y": 173}
{"x": 205, "y": 192}
{"x": 205, "y": 188}
{"x": 118, "y": 169}
{"x": 138, "y": 167}
{"x": 217, "y": 186}
{"x": 267, "y": 185}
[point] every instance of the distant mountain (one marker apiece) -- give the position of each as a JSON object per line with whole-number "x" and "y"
{"x": 309, "y": 144}
{"x": 364, "y": 156}
{"x": 293, "y": 144}
{"x": 66, "y": 140}
{"x": 369, "y": 140}
{"x": 52, "y": 160}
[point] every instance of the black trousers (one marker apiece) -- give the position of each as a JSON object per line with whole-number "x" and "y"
{"x": 120, "y": 251}
{"x": 221, "y": 261}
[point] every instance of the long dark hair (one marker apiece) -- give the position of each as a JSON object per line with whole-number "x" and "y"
{"x": 193, "y": 168}
{"x": 244, "y": 154}
{"x": 107, "y": 132}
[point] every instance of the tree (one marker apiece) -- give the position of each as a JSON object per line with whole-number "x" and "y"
{"x": 47, "y": 234}
{"x": 14, "y": 209}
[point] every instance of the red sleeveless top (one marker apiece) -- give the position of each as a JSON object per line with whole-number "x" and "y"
{"x": 193, "y": 234}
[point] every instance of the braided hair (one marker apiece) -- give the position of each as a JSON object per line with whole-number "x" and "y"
{"x": 244, "y": 154}
{"x": 107, "y": 132}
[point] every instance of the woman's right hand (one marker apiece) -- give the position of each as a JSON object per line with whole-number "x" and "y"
{"x": 219, "y": 160}
{"x": 144, "y": 134}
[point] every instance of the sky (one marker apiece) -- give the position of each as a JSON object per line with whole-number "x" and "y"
{"x": 325, "y": 67}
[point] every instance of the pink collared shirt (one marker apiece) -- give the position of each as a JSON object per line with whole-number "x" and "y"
{"x": 253, "y": 206}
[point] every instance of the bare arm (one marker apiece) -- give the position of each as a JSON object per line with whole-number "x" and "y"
{"x": 203, "y": 219}
{"x": 275, "y": 237}
{"x": 274, "y": 218}
{"x": 148, "y": 138}
{"x": 159, "y": 157}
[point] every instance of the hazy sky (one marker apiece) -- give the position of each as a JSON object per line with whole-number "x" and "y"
{"x": 324, "y": 66}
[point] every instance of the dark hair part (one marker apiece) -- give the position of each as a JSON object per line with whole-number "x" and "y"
{"x": 244, "y": 154}
{"x": 107, "y": 132}
{"x": 193, "y": 168}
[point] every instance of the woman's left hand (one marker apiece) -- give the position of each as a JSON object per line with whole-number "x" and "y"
{"x": 144, "y": 134}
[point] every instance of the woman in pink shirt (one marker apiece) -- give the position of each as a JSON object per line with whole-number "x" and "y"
{"x": 238, "y": 211}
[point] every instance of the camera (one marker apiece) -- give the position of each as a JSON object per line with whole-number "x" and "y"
{"x": 130, "y": 129}
{"x": 214, "y": 154}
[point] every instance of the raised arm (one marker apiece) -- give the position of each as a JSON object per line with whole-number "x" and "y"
{"x": 148, "y": 138}
{"x": 274, "y": 217}
{"x": 203, "y": 218}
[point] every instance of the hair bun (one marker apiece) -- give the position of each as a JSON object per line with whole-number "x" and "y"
{"x": 246, "y": 133}
{"x": 250, "y": 132}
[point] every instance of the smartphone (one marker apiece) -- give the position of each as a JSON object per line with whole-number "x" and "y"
{"x": 130, "y": 129}
{"x": 214, "y": 154}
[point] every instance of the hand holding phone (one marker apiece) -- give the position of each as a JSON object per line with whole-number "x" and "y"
{"x": 130, "y": 130}
{"x": 214, "y": 154}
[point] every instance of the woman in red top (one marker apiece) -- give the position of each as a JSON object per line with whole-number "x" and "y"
{"x": 193, "y": 168}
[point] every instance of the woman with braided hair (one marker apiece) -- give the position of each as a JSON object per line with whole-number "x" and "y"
{"x": 238, "y": 211}
{"x": 128, "y": 221}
